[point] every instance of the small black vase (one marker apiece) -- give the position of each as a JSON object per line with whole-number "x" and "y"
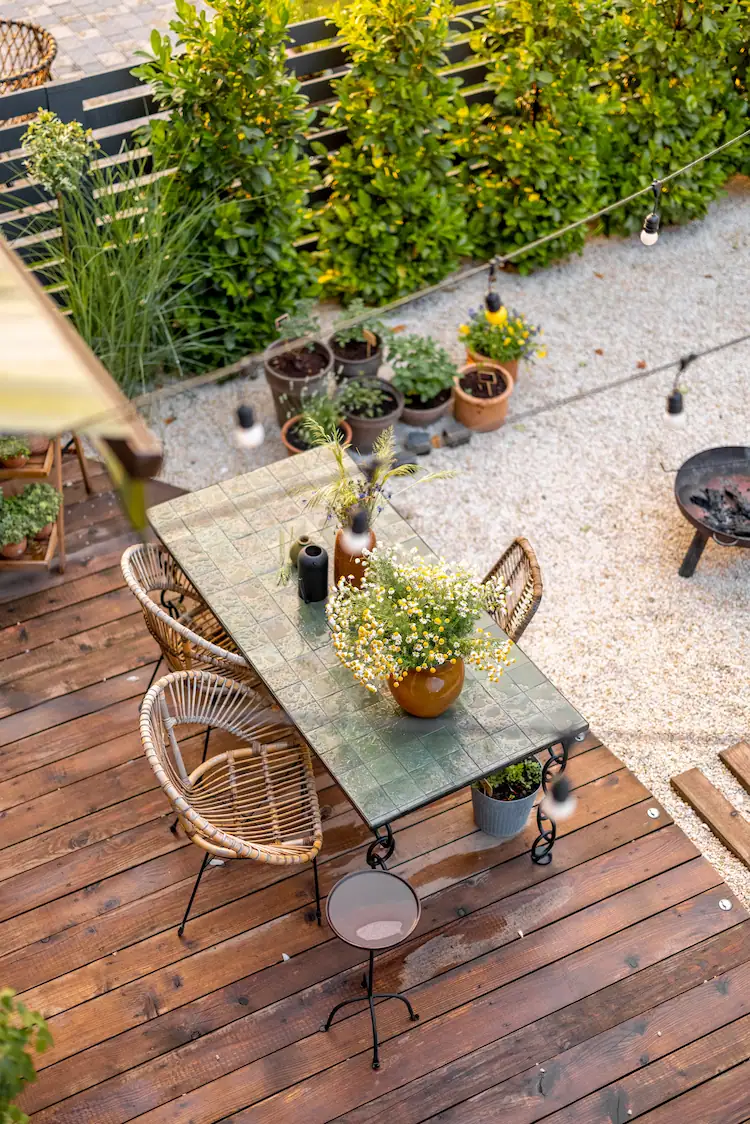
{"x": 312, "y": 568}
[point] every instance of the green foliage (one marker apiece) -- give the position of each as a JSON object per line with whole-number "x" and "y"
{"x": 394, "y": 220}
{"x": 14, "y": 527}
{"x": 21, "y": 1032}
{"x": 673, "y": 77}
{"x": 12, "y": 446}
{"x": 514, "y": 782}
{"x": 538, "y": 139}
{"x": 365, "y": 398}
{"x": 299, "y": 323}
{"x": 320, "y": 416}
{"x": 422, "y": 369}
{"x": 501, "y": 335}
{"x": 58, "y": 153}
{"x": 41, "y": 504}
{"x": 367, "y": 321}
{"x": 235, "y": 133}
{"x": 132, "y": 268}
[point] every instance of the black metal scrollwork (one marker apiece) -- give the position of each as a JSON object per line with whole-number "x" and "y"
{"x": 554, "y": 767}
{"x": 384, "y": 842}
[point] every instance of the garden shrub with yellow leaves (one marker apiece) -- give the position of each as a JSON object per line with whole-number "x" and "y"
{"x": 394, "y": 220}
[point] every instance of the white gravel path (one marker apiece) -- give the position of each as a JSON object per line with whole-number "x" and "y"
{"x": 659, "y": 664}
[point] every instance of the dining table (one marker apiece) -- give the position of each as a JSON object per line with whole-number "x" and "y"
{"x": 232, "y": 539}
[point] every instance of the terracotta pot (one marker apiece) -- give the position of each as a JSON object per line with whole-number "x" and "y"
{"x": 287, "y": 389}
{"x": 425, "y": 695}
{"x": 482, "y": 414}
{"x": 14, "y": 549}
{"x": 366, "y": 430}
{"x": 421, "y": 416}
{"x": 15, "y": 462}
{"x": 509, "y": 365}
{"x": 38, "y": 445}
{"x": 292, "y": 450}
{"x": 45, "y": 532}
{"x": 346, "y": 565}
{"x": 347, "y": 368}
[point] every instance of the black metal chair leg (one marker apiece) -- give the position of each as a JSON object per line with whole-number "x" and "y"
{"x": 205, "y": 743}
{"x": 153, "y": 673}
{"x": 204, "y": 864}
{"x": 173, "y": 825}
{"x": 375, "y": 1043}
{"x": 395, "y": 995}
{"x": 317, "y": 890}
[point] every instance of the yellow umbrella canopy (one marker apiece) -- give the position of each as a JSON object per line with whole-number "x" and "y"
{"x": 52, "y": 383}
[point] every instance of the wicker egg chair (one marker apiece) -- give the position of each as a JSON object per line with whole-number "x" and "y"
{"x": 520, "y": 570}
{"x": 26, "y": 56}
{"x": 257, "y": 801}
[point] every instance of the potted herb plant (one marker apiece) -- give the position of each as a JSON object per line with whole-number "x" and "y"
{"x": 503, "y": 800}
{"x": 319, "y": 421}
{"x": 482, "y": 391}
{"x": 296, "y": 361}
{"x": 501, "y": 335}
{"x": 370, "y": 405}
{"x": 413, "y": 623}
{"x": 21, "y": 1032}
{"x": 358, "y": 348}
{"x": 14, "y": 528}
{"x": 41, "y": 505}
{"x": 424, "y": 373}
{"x": 14, "y": 451}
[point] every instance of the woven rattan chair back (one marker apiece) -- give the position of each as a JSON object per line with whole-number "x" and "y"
{"x": 519, "y": 568}
{"x": 256, "y": 801}
{"x": 26, "y": 55}
{"x": 184, "y": 627}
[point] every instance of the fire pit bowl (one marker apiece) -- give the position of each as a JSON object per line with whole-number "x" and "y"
{"x": 712, "y": 490}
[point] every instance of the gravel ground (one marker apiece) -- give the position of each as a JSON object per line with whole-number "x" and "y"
{"x": 659, "y": 664}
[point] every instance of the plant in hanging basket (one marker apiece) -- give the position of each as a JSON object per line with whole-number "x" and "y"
{"x": 14, "y": 527}
{"x": 41, "y": 504}
{"x": 413, "y": 622}
{"x": 424, "y": 373}
{"x": 14, "y": 451}
{"x": 358, "y": 347}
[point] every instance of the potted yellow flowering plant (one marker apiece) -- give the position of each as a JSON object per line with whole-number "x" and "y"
{"x": 500, "y": 335}
{"x": 413, "y": 623}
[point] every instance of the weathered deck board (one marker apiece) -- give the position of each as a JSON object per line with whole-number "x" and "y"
{"x": 608, "y": 985}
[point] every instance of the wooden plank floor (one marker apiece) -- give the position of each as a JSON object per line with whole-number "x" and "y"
{"x": 607, "y": 987}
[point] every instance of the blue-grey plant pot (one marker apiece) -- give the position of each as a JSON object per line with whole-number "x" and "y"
{"x": 501, "y": 818}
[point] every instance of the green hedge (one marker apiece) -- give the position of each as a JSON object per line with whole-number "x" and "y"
{"x": 590, "y": 101}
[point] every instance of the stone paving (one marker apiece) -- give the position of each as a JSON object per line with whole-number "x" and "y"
{"x": 94, "y": 35}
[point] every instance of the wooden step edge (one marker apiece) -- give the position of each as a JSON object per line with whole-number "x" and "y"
{"x": 711, "y": 806}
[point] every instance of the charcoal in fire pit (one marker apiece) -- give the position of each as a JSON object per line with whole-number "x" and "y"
{"x": 725, "y": 511}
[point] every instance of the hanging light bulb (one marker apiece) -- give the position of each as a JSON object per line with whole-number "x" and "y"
{"x": 675, "y": 415}
{"x": 650, "y": 230}
{"x": 559, "y": 803}
{"x": 494, "y": 311}
{"x": 248, "y": 433}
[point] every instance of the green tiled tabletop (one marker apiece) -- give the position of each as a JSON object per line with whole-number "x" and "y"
{"x": 226, "y": 538}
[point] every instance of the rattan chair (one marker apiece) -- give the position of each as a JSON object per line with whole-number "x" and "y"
{"x": 256, "y": 801}
{"x": 519, "y": 567}
{"x": 190, "y": 636}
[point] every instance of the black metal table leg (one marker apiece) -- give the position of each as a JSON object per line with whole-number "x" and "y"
{"x": 554, "y": 767}
{"x": 384, "y": 842}
{"x": 692, "y": 558}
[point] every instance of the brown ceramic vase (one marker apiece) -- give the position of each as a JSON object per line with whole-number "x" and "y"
{"x": 426, "y": 695}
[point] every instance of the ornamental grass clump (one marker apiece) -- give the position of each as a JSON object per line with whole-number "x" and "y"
{"x": 502, "y": 335}
{"x": 414, "y": 615}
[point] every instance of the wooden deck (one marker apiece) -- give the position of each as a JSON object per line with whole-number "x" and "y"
{"x": 607, "y": 987}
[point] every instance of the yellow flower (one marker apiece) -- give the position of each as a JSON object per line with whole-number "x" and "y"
{"x": 542, "y": 352}
{"x": 534, "y": 196}
{"x": 464, "y": 330}
{"x": 496, "y": 318}
{"x": 327, "y": 276}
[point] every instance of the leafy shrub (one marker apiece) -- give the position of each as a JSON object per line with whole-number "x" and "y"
{"x": 364, "y": 398}
{"x": 14, "y": 528}
{"x": 394, "y": 220}
{"x": 236, "y": 132}
{"x": 41, "y": 504}
{"x": 58, "y": 153}
{"x": 422, "y": 368}
{"x": 21, "y": 1031}
{"x": 12, "y": 446}
{"x": 515, "y": 782}
{"x": 538, "y": 138}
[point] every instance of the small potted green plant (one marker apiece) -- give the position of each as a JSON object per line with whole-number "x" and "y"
{"x": 370, "y": 406}
{"x": 21, "y": 1032}
{"x": 14, "y": 528}
{"x": 41, "y": 504}
{"x": 503, "y": 800}
{"x": 298, "y": 360}
{"x": 502, "y": 336}
{"x": 358, "y": 348}
{"x": 413, "y": 623}
{"x": 318, "y": 422}
{"x": 424, "y": 373}
{"x": 14, "y": 451}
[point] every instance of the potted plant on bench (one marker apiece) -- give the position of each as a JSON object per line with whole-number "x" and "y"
{"x": 14, "y": 528}
{"x": 41, "y": 504}
{"x": 14, "y": 451}
{"x": 503, "y": 800}
{"x": 298, "y": 360}
{"x": 424, "y": 373}
{"x": 370, "y": 406}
